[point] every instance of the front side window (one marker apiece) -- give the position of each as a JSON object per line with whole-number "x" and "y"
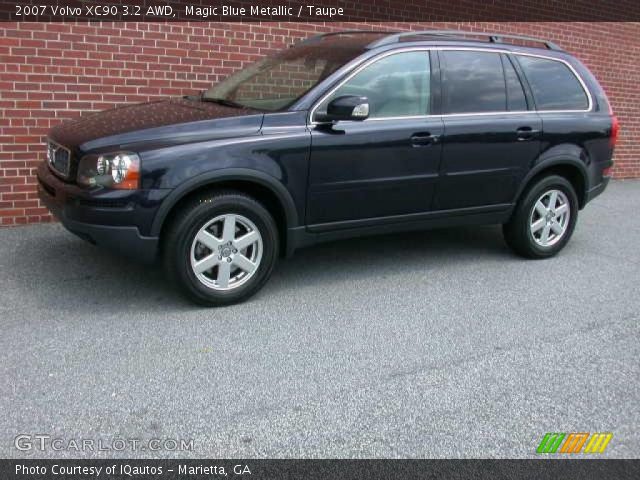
{"x": 554, "y": 85}
{"x": 396, "y": 86}
{"x": 473, "y": 82}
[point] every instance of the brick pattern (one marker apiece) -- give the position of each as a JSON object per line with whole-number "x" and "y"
{"x": 50, "y": 72}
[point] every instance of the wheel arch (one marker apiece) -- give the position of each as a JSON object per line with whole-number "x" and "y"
{"x": 570, "y": 168}
{"x": 263, "y": 187}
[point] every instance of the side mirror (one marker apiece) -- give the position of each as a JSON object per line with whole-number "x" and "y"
{"x": 346, "y": 107}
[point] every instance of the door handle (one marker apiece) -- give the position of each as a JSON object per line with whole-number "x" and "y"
{"x": 424, "y": 138}
{"x": 526, "y": 133}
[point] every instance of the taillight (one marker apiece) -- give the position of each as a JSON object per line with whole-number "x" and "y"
{"x": 615, "y": 130}
{"x": 615, "y": 125}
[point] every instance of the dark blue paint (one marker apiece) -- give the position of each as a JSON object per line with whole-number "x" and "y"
{"x": 332, "y": 181}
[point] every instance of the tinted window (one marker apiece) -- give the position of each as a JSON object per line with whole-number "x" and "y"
{"x": 554, "y": 85}
{"x": 396, "y": 86}
{"x": 275, "y": 82}
{"x": 473, "y": 82}
{"x": 516, "y": 99}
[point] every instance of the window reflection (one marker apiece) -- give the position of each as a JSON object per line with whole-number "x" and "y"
{"x": 554, "y": 85}
{"x": 396, "y": 86}
{"x": 473, "y": 82}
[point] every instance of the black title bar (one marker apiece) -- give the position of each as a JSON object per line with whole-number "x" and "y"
{"x": 318, "y": 10}
{"x": 542, "y": 469}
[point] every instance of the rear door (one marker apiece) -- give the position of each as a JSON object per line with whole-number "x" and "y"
{"x": 492, "y": 132}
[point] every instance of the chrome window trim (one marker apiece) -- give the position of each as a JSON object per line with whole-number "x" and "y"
{"x": 374, "y": 59}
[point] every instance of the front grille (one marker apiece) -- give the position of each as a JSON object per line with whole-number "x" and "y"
{"x": 59, "y": 158}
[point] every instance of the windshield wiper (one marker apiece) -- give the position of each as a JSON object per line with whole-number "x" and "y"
{"x": 222, "y": 101}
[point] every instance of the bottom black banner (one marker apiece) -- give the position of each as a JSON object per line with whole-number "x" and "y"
{"x": 320, "y": 469}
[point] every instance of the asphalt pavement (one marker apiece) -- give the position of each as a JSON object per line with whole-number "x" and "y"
{"x": 429, "y": 344}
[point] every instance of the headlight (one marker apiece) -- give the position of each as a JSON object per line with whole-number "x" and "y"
{"x": 113, "y": 170}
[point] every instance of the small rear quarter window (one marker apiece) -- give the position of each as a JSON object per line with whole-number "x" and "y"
{"x": 554, "y": 85}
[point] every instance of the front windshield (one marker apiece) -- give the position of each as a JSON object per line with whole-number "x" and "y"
{"x": 276, "y": 82}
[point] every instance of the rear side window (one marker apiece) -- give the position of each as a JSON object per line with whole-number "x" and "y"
{"x": 473, "y": 82}
{"x": 554, "y": 85}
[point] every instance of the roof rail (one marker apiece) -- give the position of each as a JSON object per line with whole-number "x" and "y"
{"x": 492, "y": 37}
{"x": 319, "y": 37}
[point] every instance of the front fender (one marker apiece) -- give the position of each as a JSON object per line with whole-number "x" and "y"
{"x": 227, "y": 174}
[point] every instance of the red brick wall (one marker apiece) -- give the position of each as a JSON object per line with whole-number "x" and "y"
{"x": 53, "y": 71}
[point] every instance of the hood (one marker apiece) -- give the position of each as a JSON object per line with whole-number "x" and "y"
{"x": 144, "y": 116}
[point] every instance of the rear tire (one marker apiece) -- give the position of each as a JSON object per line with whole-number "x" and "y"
{"x": 221, "y": 248}
{"x": 544, "y": 218}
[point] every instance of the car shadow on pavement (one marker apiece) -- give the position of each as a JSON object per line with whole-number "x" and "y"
{"x": 383, "y": 255}
{"x": 72, "y": 274}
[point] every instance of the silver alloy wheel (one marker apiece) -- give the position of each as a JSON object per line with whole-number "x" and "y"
{"x": 226, "y": 252}
{"x": 549, "y": 218}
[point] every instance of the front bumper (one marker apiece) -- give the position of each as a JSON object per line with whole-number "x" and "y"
{"x": 77, "y": 213}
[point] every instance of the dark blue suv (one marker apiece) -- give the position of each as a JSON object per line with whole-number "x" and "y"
{"x": 345, "y": 134}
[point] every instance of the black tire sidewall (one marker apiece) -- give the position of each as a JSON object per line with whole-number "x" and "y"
{"x": 189, "y": 226}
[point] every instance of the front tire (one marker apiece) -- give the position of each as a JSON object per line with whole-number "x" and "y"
{"x": 544, "y": 218}
{"x": 221, "y": 248}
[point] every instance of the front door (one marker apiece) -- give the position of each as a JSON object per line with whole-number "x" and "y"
{"x": 386, "y": 165}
